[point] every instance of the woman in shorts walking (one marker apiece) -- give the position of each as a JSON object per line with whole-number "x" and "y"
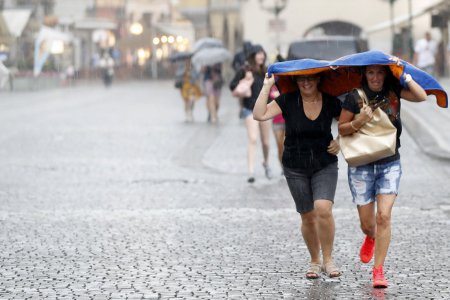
{"x": 309, "y": 162}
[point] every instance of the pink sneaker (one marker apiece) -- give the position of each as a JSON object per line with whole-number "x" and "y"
{"x": 367, "y": 249}
{"x": 378, "y": 278}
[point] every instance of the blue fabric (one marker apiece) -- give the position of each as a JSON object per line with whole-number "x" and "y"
{"x": 343, "y": 74}
{"x": 358, "y": 59}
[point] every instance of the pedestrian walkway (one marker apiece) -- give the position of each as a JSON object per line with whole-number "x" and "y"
{"x": 429, "y": 124}
{"x": 109, "y": 194}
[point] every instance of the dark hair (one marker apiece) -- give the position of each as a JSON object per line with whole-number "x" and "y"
{"x": 389, "y": 80}
{"x": 319, "y": 75}
{"x": 294, "y": 77}
{"x": 251, "y": 60}
{"x": 279, "y": 58}
{"x": 247, "y": 48}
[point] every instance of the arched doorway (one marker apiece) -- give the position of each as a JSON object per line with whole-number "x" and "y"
{"x": 334, "y": 28}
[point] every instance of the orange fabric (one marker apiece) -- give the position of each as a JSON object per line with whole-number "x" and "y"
{"x": 343, "y": 79}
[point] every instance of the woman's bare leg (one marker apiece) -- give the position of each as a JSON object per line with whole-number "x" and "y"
{"x": 252, "y": 133}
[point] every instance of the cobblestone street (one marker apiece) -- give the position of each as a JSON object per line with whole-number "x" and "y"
{"x": 108, "y": 194}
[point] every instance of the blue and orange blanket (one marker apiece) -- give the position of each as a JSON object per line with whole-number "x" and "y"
{"x": 343, "y": 74}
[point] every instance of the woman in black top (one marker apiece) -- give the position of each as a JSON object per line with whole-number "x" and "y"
{"x": 256, "y": 60}
{"x": 375, "y": 185}
{"x": 309, "y": 162}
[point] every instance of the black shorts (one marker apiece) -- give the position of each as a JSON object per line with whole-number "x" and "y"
{"x": 307, "y": 186}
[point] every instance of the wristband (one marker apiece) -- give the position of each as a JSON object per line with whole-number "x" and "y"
{"x": 354, "y": 128}
{"x": 408, "y": 78}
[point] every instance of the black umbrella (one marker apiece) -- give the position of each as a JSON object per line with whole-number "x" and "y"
{"x": 180, "y": 56}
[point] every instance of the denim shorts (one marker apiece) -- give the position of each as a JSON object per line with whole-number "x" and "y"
{"x": 278, "y": 126}
{"x": 245, "y": 112}
{"x": 368, "y": 181}
{"x": 308, "y": 186}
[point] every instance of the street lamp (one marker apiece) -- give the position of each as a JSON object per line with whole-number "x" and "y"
{"x": 391, "y": 6}
{"x": 391, "y": 2}
{"x": 276, "y": 8}
{"x": 57, "y": 47}
{"x": 410, "y": 30}
{"x": 136, "y": 28}
{"x": 155, "y": 42}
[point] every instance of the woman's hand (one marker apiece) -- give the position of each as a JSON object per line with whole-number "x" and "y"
{"x": 396, "y": 60}
{"x": 365, "y": 115}
{"x": 334, "y": 147}
{"x": 269, "y": 81}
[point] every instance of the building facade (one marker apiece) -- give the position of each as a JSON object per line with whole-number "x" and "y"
{"x": 215, "y": 18}
{"x": 370, "y": 19}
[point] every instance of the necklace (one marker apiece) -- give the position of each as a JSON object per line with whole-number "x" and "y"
{"x": 313, "y": 101}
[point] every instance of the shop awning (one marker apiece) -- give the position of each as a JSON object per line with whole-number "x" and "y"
{"x": 16, "y": 20}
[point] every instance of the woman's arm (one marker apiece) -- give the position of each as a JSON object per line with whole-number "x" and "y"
{"x": 414, "y": 93}
{"x": 263, "y": 111}
{"x": 235, "y": 81}
{"x": 348, "y": 124}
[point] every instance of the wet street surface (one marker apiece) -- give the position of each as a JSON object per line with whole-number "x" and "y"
{"x": 109, "y": 194}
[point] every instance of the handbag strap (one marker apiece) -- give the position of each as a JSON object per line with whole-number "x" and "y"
{"x": 362, "y": 96}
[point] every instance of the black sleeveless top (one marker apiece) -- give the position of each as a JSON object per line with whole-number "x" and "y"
{"x": 307, "y": 141}
{"x": 392, "y": 109}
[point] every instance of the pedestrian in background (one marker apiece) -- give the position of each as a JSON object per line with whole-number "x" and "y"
{"x": 309, "y": 161}
{"x": 425, "y": 52}
{"x": 240, "y": 57}
{"x": 106, "y": 64}
{"x": 212, "y": 87}
{"x": 278, "y": 123}
{"x": 256, "y": 65}
{"x": 278, "y": 127}
{"x": 240, "y": 62}
{"x": 190, "y": 90}
{"x": 374, "y": 186}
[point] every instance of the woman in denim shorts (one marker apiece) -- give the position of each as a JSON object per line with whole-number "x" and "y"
{"x": 374, "y": 186}
{"x": 256, "y": 57}
{"x": 309, "y": 162}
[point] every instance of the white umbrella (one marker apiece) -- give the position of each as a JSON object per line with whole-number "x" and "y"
{"x": 209, "y": 57}
{"x": 207, "y": 42}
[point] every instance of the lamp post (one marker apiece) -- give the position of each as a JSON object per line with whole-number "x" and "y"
{"x": 391, "y": 2}
{"x": 136, "y": 28}
{"x": 155, "y": 42}
{"x": 391, "y": 8}
{"x": 276, "y": 8}
{"x": 208, "y": 18}
{"x": 410, "y": 30}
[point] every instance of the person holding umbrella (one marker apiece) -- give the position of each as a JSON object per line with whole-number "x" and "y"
{"x": 384, "y": 80}
{"x": 309, "y": 161}
{"x": 212, "y": 83}
{"x": 190, "y": 90}
{"x": 209, "y": 56}
{"x": 256, "y": 60}
{"x": 374, "y": 186}
{"x": 278, "y": 123}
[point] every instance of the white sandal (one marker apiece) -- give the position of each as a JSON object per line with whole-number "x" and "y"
{"x": 313, "y": 271}
{"x": 331, "y": 269}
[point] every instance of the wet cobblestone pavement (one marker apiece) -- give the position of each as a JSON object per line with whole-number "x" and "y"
{"x": 108, "y": 196}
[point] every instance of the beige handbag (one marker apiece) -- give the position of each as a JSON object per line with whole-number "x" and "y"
{"x": 373, "y": 141}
